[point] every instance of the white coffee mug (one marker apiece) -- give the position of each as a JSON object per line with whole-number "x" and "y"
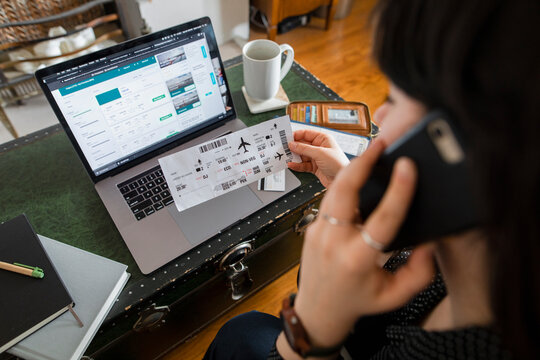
{"x": 262, "y": 67}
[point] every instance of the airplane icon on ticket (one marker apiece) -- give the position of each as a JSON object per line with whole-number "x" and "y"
{"x": 243, "y": 144}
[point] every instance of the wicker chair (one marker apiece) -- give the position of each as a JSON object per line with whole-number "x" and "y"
{"x": 24, "y": 23}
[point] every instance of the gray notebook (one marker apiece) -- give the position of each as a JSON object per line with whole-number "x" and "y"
{"x": 94, "y": 282}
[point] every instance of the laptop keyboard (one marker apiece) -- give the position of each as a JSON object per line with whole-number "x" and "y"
{"x": 146, "y": 193}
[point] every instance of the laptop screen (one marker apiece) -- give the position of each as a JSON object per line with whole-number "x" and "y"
{"x": 124, "y": 102}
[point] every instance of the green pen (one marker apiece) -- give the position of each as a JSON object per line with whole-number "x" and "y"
{"x": 32, "y": 271}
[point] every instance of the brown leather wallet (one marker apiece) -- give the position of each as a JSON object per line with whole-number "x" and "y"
{"x": 346, "y": 116}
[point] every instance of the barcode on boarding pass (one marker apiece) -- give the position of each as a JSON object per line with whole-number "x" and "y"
{"x": 213, "y": 145}
{"x": 284, "y": 142}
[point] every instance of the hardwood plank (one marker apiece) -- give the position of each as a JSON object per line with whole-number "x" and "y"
{"x": 267, "y": 300}
{"x": 339, "y": 57}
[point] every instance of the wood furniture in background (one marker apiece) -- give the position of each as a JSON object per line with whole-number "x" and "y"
{"x": 26, "y": 23}
{"x": 277, "y": 10}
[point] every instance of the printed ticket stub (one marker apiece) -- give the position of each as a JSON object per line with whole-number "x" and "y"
{"x": 274, "y": 182}
{"x": 213, "y": 168}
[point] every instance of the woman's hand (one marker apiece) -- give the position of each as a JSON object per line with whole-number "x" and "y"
{"x": 320, "y": 155}
{"x": 340, "y": 279}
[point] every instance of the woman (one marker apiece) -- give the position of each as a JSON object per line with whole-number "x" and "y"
{"x": 471, "y": 295}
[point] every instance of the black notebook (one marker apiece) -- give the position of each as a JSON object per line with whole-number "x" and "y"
{"x": 27, "y": 303}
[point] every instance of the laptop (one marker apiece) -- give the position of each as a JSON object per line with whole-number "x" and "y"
{"x": 126, "y": 106}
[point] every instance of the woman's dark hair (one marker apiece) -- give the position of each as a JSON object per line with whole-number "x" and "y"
{"x": 479, "y": 60}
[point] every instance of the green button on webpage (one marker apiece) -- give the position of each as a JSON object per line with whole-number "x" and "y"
{"x": 165, "y": 117}
{"x": 158, "y": 97}
{"x": 174, "y": 133}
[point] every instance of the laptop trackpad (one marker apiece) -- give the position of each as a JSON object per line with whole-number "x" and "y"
{"x": 203, "y": 221}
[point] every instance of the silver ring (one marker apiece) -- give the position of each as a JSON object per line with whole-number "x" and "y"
{"x": 365, "y": 235}
{"x": 332, "y": 220}
{"x": 370, "y": 242}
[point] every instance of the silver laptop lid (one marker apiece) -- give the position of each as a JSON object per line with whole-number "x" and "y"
{"x": 127, "y": 103}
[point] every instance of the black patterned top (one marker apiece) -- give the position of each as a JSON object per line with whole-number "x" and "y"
{"x": 396, "y": 335}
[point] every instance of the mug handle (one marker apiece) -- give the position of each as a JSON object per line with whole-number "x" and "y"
{"x": 288, "y": 61}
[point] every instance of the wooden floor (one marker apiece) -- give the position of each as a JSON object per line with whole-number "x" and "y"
{"x": 340, "y": 58}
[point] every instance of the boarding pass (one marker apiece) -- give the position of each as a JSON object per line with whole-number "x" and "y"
{"x": 214, "y": 168}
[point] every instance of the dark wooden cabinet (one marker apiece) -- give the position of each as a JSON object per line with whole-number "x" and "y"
{"x": 277, "y": 10}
